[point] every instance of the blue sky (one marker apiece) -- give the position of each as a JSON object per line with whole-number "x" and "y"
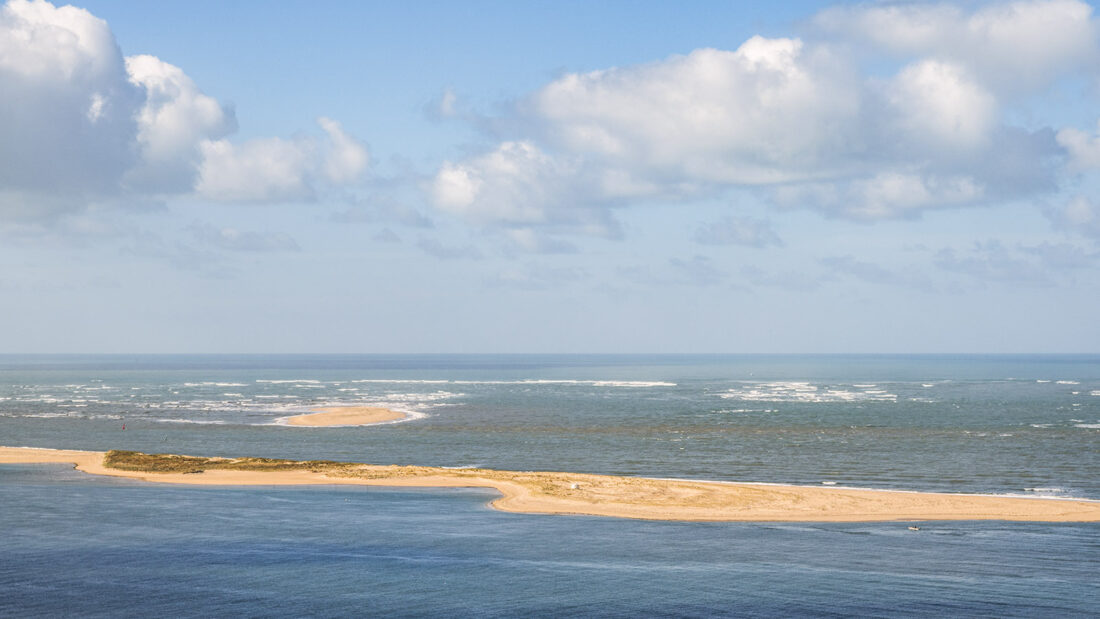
{"x": 549, "y": 177}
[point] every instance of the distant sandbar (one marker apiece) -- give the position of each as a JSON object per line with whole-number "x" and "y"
{"x": 576, "y": 493}
{"x": 346, "y": 416}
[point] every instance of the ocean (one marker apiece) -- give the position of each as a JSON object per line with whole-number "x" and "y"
{"x": 1009, "y": 425}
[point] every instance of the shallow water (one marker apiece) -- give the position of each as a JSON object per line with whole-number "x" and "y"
{"x": 75, "y": 544}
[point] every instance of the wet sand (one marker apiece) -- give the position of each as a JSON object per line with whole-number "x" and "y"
{"x": 623, "y": 497}
{"x": 346, "y": 416}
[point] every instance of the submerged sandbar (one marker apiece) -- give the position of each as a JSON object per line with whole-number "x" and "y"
{"x": 346, "y": 416}
{"x": 575, "y": 493}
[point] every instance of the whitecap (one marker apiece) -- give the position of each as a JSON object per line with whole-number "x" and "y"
{"x": 400, "y": 381}
{"x": 526, "y": 381}
{"x": 801, "y": 391}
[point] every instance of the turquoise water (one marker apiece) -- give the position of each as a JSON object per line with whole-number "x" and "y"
{"x": 74, "y": 544}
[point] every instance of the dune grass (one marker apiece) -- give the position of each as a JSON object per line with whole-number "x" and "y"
{"x": 170, "y": 463}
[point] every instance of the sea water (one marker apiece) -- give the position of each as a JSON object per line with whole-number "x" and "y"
{"x": 1013, "y": 425}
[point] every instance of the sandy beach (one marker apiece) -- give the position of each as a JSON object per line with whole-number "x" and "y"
{"x": 601, "y": 495}
{"x": 346, "y": 416}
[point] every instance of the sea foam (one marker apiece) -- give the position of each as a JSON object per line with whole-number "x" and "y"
{"x": 798, "y": 391}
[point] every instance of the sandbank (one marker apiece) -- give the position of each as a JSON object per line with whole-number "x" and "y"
{"x": 585, "y": 494}
{"x": 346, "y": 416}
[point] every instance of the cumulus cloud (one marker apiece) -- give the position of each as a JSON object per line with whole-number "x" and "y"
{"x": 263, "y": 170}
{"x": 509, "y": 184}
{"x": 267, "y": 170}
{"x": 938, "y": 105}
{"x": 798, "y": 120}
{"x": 762, "y": 113}
{"x": 1015, "y": 47}
{"x": 175, "y": 120}
{"x": 82, "y": 124}
{"x": 517, "y": 184}
{"x": 67, "y": 126}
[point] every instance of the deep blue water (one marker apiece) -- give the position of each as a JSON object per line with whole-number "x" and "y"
{"x": 72, "y": 544}
{"x": 80, "y": 546}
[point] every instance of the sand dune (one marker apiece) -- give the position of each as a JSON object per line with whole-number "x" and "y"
{"x": 599, "y": 495}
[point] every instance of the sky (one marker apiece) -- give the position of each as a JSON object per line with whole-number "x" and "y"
{"x": 556, "y": 177}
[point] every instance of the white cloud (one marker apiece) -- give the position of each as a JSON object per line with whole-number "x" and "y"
{"x": 347, "y": 159}
{"x": 939, "y": 106}
{"x": 767, "y": 112}
{"x": 266, "y": 170}
{"x": 173, "y": 122}
{"x": 1083, "y": 149}
{"x": 81, "y": 124}
{"x": 263, "y": 170}
{"x": 884, "y": 195}
{"x": 795, "y": 120}
{"x": 517, "y": 184}
{"x": 508, "y": 184}
{"x": 44, "y": 42}
{"x": 1015, "y": 47}
{"x": 67, "y": 110}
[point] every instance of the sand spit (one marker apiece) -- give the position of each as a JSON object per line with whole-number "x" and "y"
{"x": 346, "y": 416}
{"x": 571, "y": 493}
